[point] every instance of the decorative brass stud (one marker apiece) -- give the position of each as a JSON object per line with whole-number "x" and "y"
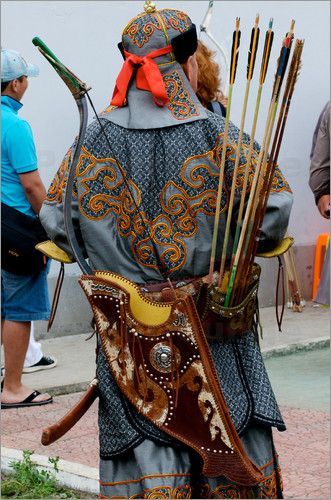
{"x": 149, "y": 7}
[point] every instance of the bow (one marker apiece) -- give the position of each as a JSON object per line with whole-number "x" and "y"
{"x": 79, "y": 90}
{"x": 204, "y": 28}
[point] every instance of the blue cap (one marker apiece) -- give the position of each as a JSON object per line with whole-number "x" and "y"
{"x": 13, "y": 66}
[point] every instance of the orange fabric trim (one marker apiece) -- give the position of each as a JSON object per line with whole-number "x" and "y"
{"x": 267, "y": 464}
{"x": 151, "y": 476}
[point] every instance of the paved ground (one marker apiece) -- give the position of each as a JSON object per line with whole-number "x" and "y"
{"x": 303, "y": 448}
{"x": 302, "y": 379}
{"x": 297, "y": 378}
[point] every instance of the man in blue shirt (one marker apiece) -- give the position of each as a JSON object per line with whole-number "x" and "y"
{"x": 24, "y": 298}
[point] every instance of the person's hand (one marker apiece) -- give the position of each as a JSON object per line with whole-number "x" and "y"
{"x": 323, "y": 206}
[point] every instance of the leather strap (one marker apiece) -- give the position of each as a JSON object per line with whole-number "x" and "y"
{"x": 280, "y": 277}
{"x": 56, "y": 296}
{"x": 158, "y": 287}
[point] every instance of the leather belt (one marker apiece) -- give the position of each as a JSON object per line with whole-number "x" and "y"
{"x": 162, "y": 285}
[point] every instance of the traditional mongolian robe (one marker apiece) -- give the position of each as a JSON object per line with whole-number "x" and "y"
{"x": 171, "y": 158}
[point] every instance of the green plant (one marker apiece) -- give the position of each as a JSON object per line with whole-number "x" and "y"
{"x": 29, "y": 481}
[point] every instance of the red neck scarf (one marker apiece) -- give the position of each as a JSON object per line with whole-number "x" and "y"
{"x": 148, "y": 77}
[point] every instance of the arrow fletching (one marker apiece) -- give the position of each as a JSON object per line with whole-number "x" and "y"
{"x": 288, "y": 43}
{"x": 282, "y": 62}
{"x": 235, "y": 52}
{"x": 269, "y": 37}
{"x": 253, "y": 48}
{"x": 295, "y": 67}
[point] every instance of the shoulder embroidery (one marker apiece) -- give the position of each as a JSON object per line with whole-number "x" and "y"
{"x": 173, "y": 221}
{"x": 58, "y": 185}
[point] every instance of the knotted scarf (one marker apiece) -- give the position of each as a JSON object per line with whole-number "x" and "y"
{"x": 148, "y": 77}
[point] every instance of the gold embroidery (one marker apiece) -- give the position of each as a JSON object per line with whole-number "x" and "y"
{"x": 175, "y": 19}
{"x": 168, "y": 492}
{"x": 268, "y": 488}
{"x": 58, "y": 185}
{"x": 180, "y": 103}
{"x": 108, "y": 110}
{"x": 112, "y": 194}
{"x": 184, "y": 491}
{"x": 279, "y": 182}
{"x": 141, "y": 29}
{"x": 148, "y": 476}
{"x": 174, "y": 222}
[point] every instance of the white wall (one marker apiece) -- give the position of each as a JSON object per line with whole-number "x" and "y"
{"x": 84, "y": 34}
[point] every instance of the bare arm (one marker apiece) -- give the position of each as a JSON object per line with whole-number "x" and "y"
{"x": 34, "y": 189}
{"x": 319, "y": 176}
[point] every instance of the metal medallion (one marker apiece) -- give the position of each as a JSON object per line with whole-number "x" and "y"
{"x": 161, "y": 357}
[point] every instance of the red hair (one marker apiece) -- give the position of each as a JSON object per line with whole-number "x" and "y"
{"x": 209, "y": 81}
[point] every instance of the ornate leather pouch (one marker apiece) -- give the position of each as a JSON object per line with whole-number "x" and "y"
{"x": 160, "y": 359}
{"x": 222, "y": 323}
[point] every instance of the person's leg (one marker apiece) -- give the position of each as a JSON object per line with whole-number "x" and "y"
{"x": 19, "y": 306}
{"x": 35, "y": 360}
{"x": 34, "y": 352}
{"x": 15, "y": 338}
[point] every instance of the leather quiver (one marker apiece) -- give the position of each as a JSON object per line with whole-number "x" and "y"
{"x": 225, "y": 323}
{"x": 160, "y": 359}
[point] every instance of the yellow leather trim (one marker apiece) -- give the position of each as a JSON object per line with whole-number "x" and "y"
{"x": 54, "y": 252}
{"x": 143, "y": 310}
{"x": 283, "y": 246}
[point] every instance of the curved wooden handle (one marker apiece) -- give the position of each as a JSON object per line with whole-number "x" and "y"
{"x": 57, "y": 430}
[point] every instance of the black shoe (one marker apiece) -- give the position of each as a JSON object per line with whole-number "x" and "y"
{"x": 46, "y": 363}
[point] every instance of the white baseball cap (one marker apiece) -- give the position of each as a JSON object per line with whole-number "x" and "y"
{"x": 13, "y": 66}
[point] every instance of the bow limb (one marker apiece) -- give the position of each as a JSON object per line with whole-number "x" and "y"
{"x": 204, "y": 28}
{"x": 67, "y": 209}
{"x": 78, "y": 89}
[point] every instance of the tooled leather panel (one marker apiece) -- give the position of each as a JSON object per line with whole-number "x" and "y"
{"x": 120, "y": 424}
{"x": 138, "y": 356}
{"x": 116, "y": 435}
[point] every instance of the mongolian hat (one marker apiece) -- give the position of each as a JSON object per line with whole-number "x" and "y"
{"x": 152, "y": 90}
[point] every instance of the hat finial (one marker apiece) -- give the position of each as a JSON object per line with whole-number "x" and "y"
{"x": 149, "y": 6}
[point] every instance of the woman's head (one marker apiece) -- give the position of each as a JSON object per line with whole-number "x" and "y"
{"x": 209, "y": 82}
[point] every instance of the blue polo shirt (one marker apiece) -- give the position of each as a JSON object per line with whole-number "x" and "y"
{"x": 18, "y": 155}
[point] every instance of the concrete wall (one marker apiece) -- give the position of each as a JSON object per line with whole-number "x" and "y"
{"x": 84, "y": 35}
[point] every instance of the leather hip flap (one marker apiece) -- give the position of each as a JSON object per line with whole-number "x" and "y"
{"x": 160, "y": 359}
